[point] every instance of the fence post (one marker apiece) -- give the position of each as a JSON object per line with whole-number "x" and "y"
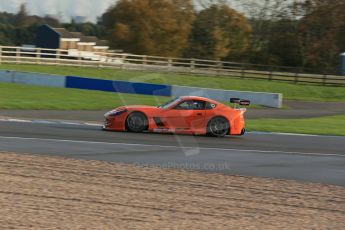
{"x": 170, "y": 61}
{"x": 79, "y": 59}
{"x": 144, "y": 60}
{"x": 57, "y": 57}
{"x": 296, "y": 77}
{"x": 270, "y": 76}
{"x": 99, "y": 63}
{"x": 123, "y": 60}
{"x": 17, "y": 55}
{"x": 324, "y": 79}
{"x": 243, "y": 71}
{"x": 219, "y": 67}
{"x": 38, "y": 55}
{"x": 0, "y": 55}
{"x": 192, "y": 65}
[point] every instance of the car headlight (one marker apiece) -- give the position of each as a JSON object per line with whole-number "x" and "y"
{"x": 115, "y": 112}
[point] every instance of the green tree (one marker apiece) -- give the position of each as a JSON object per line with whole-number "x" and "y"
{"x": 21, "y": 18}
{"x": 87, "y": 28}
{"x": 322, "y": 33}
{"x": 275, "y": 32}
{"x": 7, "y": 34}
{"x": 283, "y": 44}
{"x": 152, "y": 27}
{"x": 219, "y": 32}
{"x": 306, "y": 33}
{"x": 21, "y": 28}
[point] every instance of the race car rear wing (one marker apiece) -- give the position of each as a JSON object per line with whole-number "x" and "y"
{"x": 238, "y": 101}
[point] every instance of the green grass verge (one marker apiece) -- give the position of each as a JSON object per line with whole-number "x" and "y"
{"x": 17, "y": 96}
{"x": 289, "y": 90}
{"x": 328, "y": 125}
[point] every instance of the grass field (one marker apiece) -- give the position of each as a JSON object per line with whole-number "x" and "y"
{"x": 289, "y": 90}
{"x": 17, "y": 96}
{"x": 329, "y": 125}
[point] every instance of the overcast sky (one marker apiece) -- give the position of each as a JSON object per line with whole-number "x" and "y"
{"x": 66, "y": 8}
{"x": 63, "y": 8}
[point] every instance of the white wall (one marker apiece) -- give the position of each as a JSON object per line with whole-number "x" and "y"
{"x": 274, "y": 100}
{"x": 32, "y": 78}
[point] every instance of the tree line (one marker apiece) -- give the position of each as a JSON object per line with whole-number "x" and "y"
{"x": 308, "y": 34}
{"x": 21, "y": 28}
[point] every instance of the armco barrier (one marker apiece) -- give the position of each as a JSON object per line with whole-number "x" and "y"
{"x": 32, "y": 78}
{"x": 118, "y": 86}
{"x": 258, "y": 98}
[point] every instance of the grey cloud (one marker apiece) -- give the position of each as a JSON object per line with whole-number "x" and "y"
{"x": 65, "y": 8}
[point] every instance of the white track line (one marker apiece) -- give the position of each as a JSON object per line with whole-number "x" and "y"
{"x": 56, "y": 122}
{"x": 178, "y": 147}
{"x": 288, "y": 134}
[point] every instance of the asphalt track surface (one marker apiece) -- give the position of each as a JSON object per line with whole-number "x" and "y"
{"x": 304, "y": 158}
{"x": 296, "y": 109}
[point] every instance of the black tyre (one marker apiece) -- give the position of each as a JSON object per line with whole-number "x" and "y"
{"x": 136, "y": 122}
{"x": 218, "y": 127}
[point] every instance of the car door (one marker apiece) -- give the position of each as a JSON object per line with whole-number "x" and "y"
{"x": 188, "y": 114}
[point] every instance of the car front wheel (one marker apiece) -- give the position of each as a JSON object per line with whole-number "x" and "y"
{"x": 136, "y": 122}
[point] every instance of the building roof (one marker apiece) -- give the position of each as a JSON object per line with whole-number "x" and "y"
{"x": 102, "y": 43}
{"x": 64, "y": 33}
{"x": 67, "y": 34}
{"x": 76, "y": 34}
{"x": 93, "y": 39}
{"x": 88, "y": 39}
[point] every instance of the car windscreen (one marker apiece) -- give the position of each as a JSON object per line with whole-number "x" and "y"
{"x": 170, "y": 103}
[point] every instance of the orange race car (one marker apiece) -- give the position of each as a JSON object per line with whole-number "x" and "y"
{"x": 183, "y": 115}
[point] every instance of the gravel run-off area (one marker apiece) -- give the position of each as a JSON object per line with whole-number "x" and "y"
{"x": 39, "y": 192}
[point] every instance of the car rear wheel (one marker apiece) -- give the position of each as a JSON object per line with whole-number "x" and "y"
{"x": 136, "y": 122}
{"x": 218, "y": 127}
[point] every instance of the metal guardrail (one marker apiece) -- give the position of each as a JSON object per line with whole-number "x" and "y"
{"x": 59, "y": 57}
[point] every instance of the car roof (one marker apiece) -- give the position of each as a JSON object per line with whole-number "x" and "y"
{"x": 199, "y": 98}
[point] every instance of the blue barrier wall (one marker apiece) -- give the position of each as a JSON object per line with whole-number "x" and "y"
{"x": 117, "y": 86}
